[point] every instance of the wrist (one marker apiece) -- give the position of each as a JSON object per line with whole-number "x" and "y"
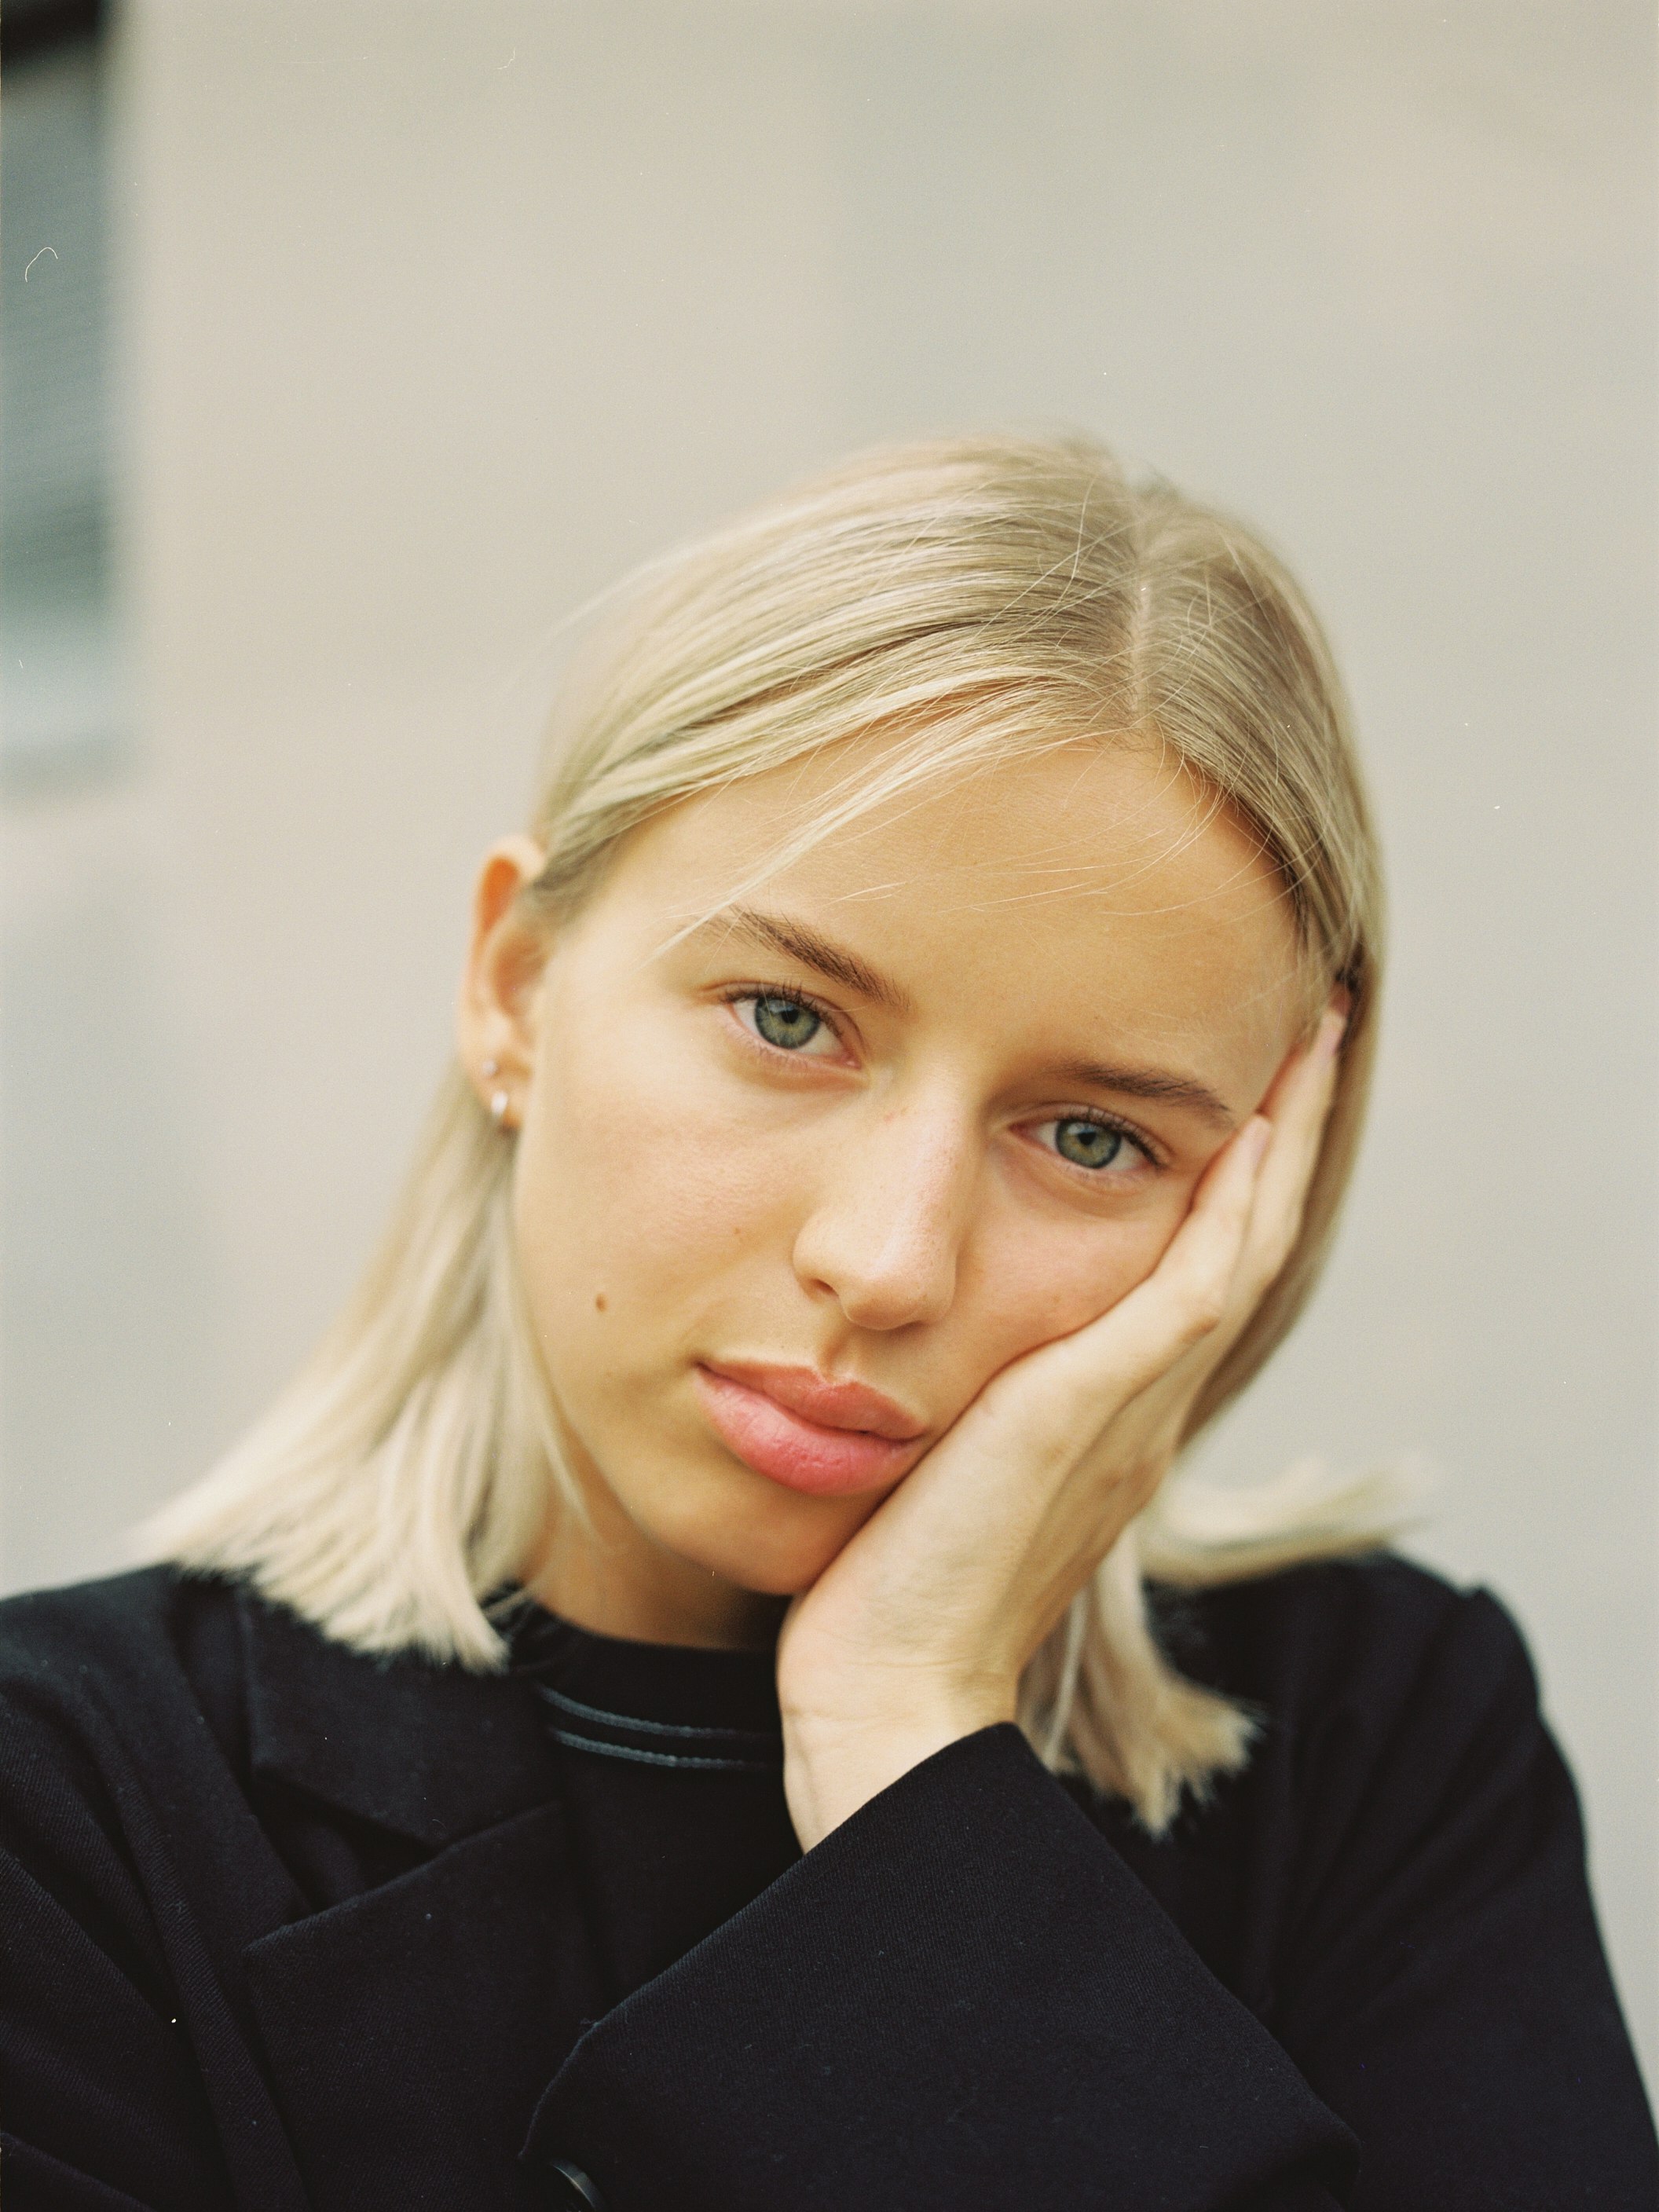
{"x": 833, "y": 1766}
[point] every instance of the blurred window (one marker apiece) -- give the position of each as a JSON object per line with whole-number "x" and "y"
{"x": 62, "y": 712}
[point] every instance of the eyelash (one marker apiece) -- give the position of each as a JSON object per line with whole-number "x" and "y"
{"x": 1148, "y": 1157}
{"x": 747, "y": 994}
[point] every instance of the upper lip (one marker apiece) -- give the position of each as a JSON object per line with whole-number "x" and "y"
{"x": 820, "y": 1398}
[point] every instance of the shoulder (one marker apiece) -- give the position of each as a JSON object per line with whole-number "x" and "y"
{"x": 173, "y": 1692}
{"x": 1326, "y": 1624}
{"x": 92, "y": 1635}
{"x": 92, "y": 1667}
{"x": 1324, "y": 1631}
{"x": 1357, "y": 1659}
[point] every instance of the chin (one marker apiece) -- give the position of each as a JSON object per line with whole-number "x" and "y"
{"x": 759, "y": 1536}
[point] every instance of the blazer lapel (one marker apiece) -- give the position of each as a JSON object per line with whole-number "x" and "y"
{"x": 410, "y": 2030}
{"x": 431, "y": 1753}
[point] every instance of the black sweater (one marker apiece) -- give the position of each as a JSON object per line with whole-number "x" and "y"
{"x": 282, "y": 1928}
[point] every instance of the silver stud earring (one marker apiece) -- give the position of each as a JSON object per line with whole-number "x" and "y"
{"x": 499, "y": 1101}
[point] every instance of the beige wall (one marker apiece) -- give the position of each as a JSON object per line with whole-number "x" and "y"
{"x": 439, "y": 316}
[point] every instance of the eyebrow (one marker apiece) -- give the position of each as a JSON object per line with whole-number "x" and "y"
{"x": 797, "y": 940}
{"x": 1152, "y": 1084}
{"x": 801, "y": 943}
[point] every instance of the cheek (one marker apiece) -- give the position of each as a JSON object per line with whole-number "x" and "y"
{"x": 632, "y": 1187}
{"x": 1032, "y": 1284}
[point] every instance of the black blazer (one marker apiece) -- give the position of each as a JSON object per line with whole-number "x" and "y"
{"x": 1366, "y": 1975}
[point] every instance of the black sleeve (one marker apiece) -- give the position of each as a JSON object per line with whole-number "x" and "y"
{"x": 960, "y": 1999}
{"x": 1446, "y": 1989}
{"x": 965, "y": 1998}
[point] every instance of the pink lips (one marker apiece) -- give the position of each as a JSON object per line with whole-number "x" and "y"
{"x": 824, "y": 1437}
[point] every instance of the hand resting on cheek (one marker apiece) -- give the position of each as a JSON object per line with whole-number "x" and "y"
{"x": 919, "y": 1631}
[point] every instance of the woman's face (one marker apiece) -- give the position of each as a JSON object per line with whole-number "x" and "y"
{"x": 936, "y": 1093}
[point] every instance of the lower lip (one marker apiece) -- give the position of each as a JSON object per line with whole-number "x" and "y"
{"x": 801, "y": 1454}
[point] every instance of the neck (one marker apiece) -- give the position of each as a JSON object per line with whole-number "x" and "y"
{"x": 617, "y": 1583}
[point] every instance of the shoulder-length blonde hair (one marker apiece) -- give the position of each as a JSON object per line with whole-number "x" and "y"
{"x": 972, "y": 598}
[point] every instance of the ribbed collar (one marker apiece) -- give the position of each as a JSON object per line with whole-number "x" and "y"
{"x": 664, "y": 1704}
{"x": 436, "y": 1752}
{"x": 677, "y": 1682}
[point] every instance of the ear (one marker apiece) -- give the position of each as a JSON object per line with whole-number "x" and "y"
{"x": 496, "y": 1023}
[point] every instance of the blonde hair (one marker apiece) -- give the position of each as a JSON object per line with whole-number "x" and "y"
{"x": 971, "y": 600}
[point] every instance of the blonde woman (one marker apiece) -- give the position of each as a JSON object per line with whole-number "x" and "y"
{"x": 709, "y": 1691}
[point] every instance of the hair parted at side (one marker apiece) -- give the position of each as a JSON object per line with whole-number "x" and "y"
{"x": 973, "y": 599}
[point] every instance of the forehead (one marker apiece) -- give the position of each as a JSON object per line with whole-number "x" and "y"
{"x": 1103, "y": 867}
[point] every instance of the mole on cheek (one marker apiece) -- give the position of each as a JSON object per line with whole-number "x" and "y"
{"x": 599, "y": 1302}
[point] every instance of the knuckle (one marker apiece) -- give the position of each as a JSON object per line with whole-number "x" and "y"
{"x": 1203, "y": 1311}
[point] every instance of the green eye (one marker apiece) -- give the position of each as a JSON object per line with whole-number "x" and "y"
{"x": 786, "y": 1022}
{"x": 1087, "y": 1143}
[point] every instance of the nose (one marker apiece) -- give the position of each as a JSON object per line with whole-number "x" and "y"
{"x": 884, "y": 1232}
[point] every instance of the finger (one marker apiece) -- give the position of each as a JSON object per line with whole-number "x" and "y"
{"x": 1298, "y": 1107}
{"x": 1299, "y": 1101}
{"x": 1197, "y": 1273}
{"x": 1243, "y": 1220}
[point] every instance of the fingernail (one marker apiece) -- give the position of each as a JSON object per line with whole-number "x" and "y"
{"x": 1331, "y": 1029}
{"x": 1255, "y": 1138}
